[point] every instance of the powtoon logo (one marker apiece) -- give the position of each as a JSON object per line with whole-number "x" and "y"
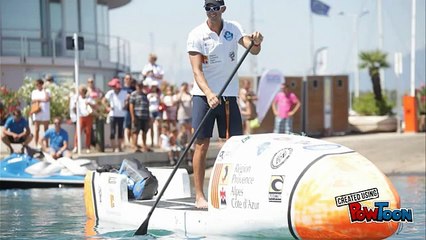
{"x": 380, "y": 213}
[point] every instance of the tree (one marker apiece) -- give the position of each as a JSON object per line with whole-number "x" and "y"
{"x": 374, "y": 61}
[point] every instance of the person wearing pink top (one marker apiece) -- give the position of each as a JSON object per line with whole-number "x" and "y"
{"x": 284, "y": 106}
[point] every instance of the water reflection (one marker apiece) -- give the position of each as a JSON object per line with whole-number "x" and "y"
{"x": 412, "y": 192}
{"x": 60, "y": 214}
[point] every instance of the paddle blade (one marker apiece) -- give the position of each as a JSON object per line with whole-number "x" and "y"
{"x": 143, "y": 229}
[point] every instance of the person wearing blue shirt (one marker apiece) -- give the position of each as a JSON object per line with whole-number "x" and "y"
{"x": 16, "y": 130}
{"x": 55, "y": 141}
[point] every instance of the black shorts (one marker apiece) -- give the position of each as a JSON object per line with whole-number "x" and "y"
{"x": 116, "y": 122}
{"x": 140, "y": 124}
{"x": 200, "y": 108}
{"x": 20, "y": 140}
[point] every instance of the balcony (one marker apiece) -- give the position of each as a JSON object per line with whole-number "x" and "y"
{"x": 48, "y": 48}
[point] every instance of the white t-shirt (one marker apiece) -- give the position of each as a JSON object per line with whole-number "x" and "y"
{"x": 170, "y": 102}
{"x": 44, "y": 114}
{"x": 185, "y": 107}
{"x": 73, "y": 104}
{"x": 154, "y": 102}
{"x": 116, "y": 102}
{"x": 157, "y": 71}
{"x": 83, "y": 107}
{"x": 165, "y": 142}
{"x": 219, "y": 53}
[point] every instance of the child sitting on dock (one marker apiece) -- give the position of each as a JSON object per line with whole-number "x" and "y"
{"x": 183, "y": 138}
{"x": 168, "y": 143}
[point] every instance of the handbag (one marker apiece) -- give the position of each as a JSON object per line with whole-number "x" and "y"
{"x": 252, "y": 110}
{"x": 35, "y": 107}
{"x": 162, "y": 107}
{"x": 89, "y": 109}
{"x": 254, "y": 123}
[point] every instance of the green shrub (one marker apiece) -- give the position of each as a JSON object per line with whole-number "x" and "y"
{"x": 9, "y": 101}
{"x": 421, "y": 98}
{"x": 367, "y": 105}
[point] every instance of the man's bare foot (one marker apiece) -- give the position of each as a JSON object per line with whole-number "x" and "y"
{"x": 201, "y": 203}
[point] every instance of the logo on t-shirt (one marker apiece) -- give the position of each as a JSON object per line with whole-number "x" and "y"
{"x": 228, "y": 35}
{"x": 232, "y": 56}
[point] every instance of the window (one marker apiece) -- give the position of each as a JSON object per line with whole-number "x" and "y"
{"x": 20, "y": 18}
{"x": 20, "y": 14}
{"x": 55, "y": 11}
{"x": 20, "y": 27}
{"x": 88, "y": 18}
{"x": 71, "y": 16}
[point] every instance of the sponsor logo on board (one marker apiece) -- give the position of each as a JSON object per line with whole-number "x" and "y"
{"x": 222, "y": 197}
{"x": 219, "y": 184}
{"x": 245, "y": 139}
{"x": 262, "y": 147}
{"x": 276, "y": 188}
{"x": 223, "y": 155}
{"x": 280, "y": 157}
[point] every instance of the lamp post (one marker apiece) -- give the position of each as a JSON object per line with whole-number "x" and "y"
{"x": 355, "y": 18}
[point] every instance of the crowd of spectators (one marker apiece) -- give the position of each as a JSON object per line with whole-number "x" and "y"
{"x": 134, "y": 107}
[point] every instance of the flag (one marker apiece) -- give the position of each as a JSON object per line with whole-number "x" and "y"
{"x": 319, "y": 7}
{"x": 269, "y": 85}
{"x": 321, "y": 61}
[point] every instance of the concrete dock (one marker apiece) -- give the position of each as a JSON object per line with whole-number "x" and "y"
{"x": 392, "y": 153}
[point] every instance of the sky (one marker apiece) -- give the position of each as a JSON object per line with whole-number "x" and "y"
{"x": 162, "y": 27}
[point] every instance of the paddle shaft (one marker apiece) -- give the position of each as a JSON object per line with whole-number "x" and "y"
{"x": 143, "y": 229}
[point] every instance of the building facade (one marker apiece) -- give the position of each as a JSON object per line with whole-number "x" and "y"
{"x": 33, "y": 41}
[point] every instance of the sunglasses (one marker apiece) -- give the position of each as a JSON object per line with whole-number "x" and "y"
{"x": 212, "y": 9}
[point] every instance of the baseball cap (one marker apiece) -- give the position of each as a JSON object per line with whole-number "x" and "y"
{"x": 115, "y": 82}
{"x": 214, "y": 2}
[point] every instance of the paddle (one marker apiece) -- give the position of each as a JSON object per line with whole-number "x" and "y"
{"x": 143, "y": 229}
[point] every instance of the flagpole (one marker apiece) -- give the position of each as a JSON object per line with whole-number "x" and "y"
{"x": 305, "y": 77}
{"x": 380, "y": 45}
{"x": 253, "y": 59}
{"x": 76, "y": 76}
{"x": 413, "y": 49}
{"x": 311, "y": 19}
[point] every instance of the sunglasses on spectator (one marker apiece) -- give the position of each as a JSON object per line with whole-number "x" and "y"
{"x": 212, "y": 9}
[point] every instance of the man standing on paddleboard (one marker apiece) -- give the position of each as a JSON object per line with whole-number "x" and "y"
{"x": 212, "y": 47}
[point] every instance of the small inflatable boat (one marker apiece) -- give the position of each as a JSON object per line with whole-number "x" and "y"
{"x": 24, "y": 171}
{"x": 265, "y": 185}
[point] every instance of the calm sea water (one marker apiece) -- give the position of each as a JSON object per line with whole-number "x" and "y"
{"x": 60, "y": 214}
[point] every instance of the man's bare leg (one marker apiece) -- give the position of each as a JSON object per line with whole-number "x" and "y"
{"x": 199, "y": 166}
{"x": 5, "y": 140}
{"x": 135, "y": 141}
{"x": 28, "y": 139}
{"x": 113, "y": 144}
{"x": 120, "y": 144}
